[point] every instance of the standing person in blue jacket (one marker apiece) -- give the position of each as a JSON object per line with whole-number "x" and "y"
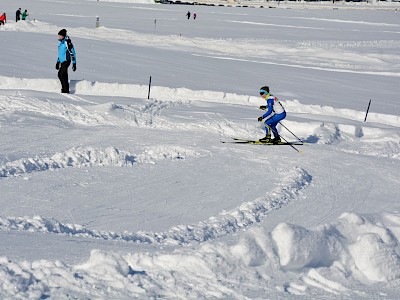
{"x": 66, "y": 54}
{"x": 274, "y": 114}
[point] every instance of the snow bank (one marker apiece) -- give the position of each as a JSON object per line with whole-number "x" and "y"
{"x": 361, "y": 245}
{"x": 75, "y": 157}
{"x": 227, "y": 222}
{"x": 128, "y": 90}
{"x": 183, "y": 94}
{"x": 80, "y": 157}
{"x": 355, "y": 250}
{"x": 360, "y": 139}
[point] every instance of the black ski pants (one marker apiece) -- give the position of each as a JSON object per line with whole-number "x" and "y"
{"x": 63, "y": 76}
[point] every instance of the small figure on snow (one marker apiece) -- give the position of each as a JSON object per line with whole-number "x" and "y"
{"x": 274, "y": 114}
{"x": 18, "y": 15}
{"x": 66, "y": 54}
{"x": 194, "y": 16}
{"x": 3, "y": 19}
{"x": 25, "y": 15}
{"x": 188, "y": 15}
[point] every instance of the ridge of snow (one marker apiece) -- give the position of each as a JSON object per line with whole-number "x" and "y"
{"x": 247, "y": 214}
{"x": 79, "y": 157}
{"x": 183, "y": 94}
{"x": 75, "y": 157}
{"x": 356, "y": 250}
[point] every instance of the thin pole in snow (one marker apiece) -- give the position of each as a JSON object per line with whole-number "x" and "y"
{"x": 369, "y": 104}
{"x": 292, "y": 133}
{"x": 155, "y": 26}
{"x": 299, "y": 151}
{"x": 148, "y": 95}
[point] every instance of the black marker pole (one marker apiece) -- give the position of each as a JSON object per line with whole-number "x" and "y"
{"x": 148, "y": 95}
{"x": 369, "y": 104}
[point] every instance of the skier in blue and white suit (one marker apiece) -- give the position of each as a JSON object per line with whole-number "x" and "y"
{"x": 66, "y": 54}
{"x": 274, "y": 114}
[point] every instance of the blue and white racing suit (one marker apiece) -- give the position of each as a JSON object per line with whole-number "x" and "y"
{"x": 275, "y": 113}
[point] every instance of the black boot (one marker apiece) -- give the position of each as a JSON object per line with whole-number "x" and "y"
{"x": 277, "y": 140}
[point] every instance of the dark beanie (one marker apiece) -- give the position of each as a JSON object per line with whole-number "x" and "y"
{"x": 63, "y": 32}
{"x": 265, "y": 88}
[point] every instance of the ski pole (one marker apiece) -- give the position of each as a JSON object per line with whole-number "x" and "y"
{"x": 299, "y": 151}
{"x": 292, "y": 133}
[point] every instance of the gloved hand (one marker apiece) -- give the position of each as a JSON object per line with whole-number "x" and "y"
{"x": 260, "y": 119}
{"x": 263, "y": 107}
{"x": 74, "y": 67}
{"x": 58, "y": 65}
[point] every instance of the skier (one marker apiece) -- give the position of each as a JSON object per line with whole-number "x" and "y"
{"x": 18, "y": 15}
{"x": 24, "y": 15}
{"x": 3, "y": 19}
{"x": 188, "y": 15}
{"x": 66, "y": 54}
{"x": 275, "y": 113}
{"x": 194, "y": 16}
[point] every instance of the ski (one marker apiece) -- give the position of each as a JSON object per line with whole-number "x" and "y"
{"x": 256, "y": 142}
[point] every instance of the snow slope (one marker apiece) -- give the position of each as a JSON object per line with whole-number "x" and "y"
{"x": 107, "y": 194}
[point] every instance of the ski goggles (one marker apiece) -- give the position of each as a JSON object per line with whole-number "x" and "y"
{"x": 263, "y": 92}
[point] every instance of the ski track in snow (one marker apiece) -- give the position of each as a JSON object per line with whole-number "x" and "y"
{"x": 354, "y": 256}
{"x": 365, "y": 139}
{"x": 295, "y": 54}
{"x": 247, "y": 214}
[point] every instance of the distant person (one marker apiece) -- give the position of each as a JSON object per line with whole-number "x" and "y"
{"x": 18, "y": 15}
{"x": 66, "y": 54}
{"x": 188, "y": 15}
{"x": 24, "y": 15}
{"x": 3, "y": 19}
{"x": 194, "y": 16}
{"x": 274, "y": 114}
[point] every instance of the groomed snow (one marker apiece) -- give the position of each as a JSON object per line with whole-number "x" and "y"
{"x": 107, "y": 194}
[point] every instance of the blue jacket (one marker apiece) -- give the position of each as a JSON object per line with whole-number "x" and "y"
{"x": 66, "y": 51}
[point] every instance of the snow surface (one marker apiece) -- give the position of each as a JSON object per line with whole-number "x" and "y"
{"x": 107, "y": 194}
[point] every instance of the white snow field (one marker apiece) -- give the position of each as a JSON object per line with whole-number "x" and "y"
{"x": 105, "y": 194}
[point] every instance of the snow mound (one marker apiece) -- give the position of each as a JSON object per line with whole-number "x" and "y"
{"x": 246, "y": 215}
{"x": 161, "y": 152}
{"x": 364, "y": 139}
{"x": 356, "y": 250}
{"x": 360, "y": 245}
{"x": 75, "y": 157}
